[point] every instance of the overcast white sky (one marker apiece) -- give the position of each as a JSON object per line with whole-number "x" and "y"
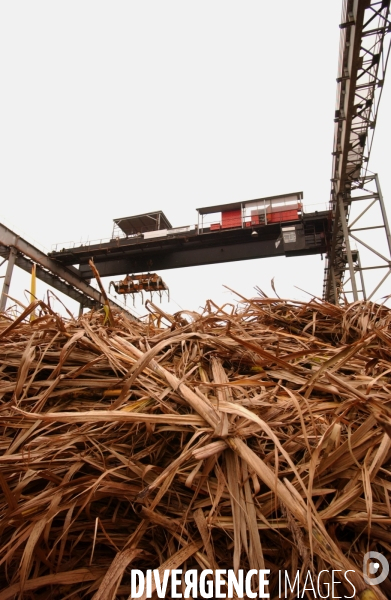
{"x": 110, "y": 109}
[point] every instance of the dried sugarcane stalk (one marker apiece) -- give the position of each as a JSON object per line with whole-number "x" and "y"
{"x": 247, "y": 438}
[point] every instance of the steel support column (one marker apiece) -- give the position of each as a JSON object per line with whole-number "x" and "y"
{"x": 384, "y": 213}
{"x": 344, "y": 225}
{"x": 365, "y": 224}
{"x": 7, "y": 279}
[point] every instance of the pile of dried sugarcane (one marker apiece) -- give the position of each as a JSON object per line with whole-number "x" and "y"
{"x": 255, "y": 437}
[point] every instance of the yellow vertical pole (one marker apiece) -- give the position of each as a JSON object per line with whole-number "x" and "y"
{"x": 33, "y": 289}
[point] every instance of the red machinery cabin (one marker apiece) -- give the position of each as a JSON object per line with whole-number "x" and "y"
{"x": 231, "y": 218}
{"x": 252, "y": 213}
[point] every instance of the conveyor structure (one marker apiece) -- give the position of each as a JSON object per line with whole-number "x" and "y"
{"x": 364, "y": 52}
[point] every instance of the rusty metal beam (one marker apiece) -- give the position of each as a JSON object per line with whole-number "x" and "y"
{"x": 65, "y": 279}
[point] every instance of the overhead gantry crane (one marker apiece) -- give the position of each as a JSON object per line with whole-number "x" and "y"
{"x": 277, "y": 225}
{"x": 265, "y": 227}
{"x": 364, "y": 51}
